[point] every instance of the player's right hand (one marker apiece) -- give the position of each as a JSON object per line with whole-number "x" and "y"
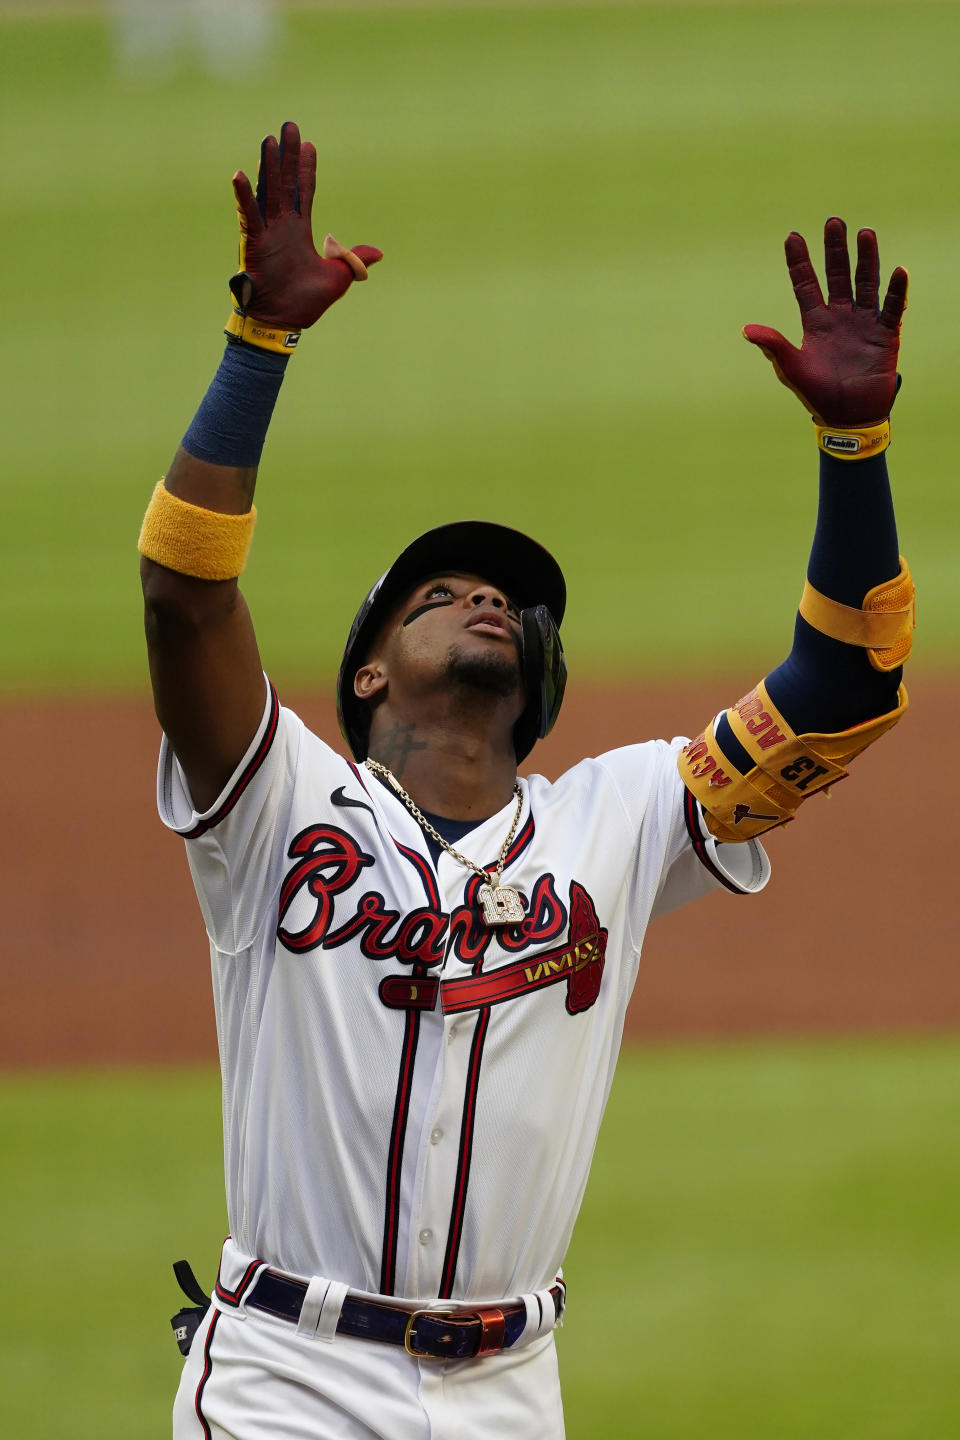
{"x": 282, "y": 281}
{"x": 845, "y": 371}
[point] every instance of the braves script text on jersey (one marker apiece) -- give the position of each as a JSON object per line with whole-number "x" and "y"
{"x": 410, "y": 1099}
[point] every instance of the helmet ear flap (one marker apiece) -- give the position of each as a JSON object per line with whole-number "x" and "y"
{"x": 544, "y": 677}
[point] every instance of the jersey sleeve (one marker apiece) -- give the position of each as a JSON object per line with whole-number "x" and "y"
{"x": 677, "y": 860}
{"x": 231, "y": 846}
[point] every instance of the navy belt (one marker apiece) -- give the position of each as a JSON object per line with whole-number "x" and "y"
{"x": 461, "y": 1332}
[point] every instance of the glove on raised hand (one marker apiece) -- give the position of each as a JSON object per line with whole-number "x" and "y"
{"x": 282, "y": 282}
{"x": 845, "y": 371}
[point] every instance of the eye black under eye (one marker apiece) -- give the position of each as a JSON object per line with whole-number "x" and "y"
{"x": 429, "y": 603}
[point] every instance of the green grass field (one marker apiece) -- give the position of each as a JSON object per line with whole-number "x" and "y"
{"x": 768, "y": 1247}
{"x": 580, "y": 207}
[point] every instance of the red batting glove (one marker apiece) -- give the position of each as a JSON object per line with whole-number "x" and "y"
{"x": 282, "y": 281}
{"x": 845, "y": 371}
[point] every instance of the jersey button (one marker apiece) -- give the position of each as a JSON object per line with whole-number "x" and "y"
{"x": 425, "y": 1237}
{"x": 435, "y": 1137}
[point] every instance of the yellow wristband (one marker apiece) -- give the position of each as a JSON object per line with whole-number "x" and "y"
{"x": 193, "y": 541}
{"x": 856, "y": 442}
{"x": 265, "y": 337}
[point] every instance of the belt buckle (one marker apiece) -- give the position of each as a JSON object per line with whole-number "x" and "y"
{"x": 410, "y": 1333}
{"x": 489, "y": 1318}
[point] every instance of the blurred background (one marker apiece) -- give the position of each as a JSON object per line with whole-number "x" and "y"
{"x": 580, "y": 205}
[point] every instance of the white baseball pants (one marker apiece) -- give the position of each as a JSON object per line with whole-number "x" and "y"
{"x": 251, "y": 1377}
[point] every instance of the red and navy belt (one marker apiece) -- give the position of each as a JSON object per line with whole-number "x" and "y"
{"x": 456, "y": 1332}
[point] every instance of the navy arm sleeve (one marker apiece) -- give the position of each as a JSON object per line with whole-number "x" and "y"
{"x": 825, "y": 685}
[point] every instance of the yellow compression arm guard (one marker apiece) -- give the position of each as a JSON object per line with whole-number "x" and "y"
{"x": 787, "y": 768}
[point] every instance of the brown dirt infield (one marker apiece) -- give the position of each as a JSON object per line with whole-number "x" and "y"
{"x": 104, "y": 957}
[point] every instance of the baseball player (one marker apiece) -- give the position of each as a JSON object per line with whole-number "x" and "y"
{"x": 421, "y": 963}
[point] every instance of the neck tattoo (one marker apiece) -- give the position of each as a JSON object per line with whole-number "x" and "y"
{"x": 398, "y": 744}
{"x": 499, "y": 904}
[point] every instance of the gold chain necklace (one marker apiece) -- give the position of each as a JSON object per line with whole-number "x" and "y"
{"x": 500, "y": 904}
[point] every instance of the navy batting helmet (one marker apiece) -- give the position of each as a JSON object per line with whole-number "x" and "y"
{"x": 524, "y": 570}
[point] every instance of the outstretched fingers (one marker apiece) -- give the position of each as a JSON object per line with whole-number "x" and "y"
{"x": 837, "y": 262}
{"x": 896, "y": 299}
{"x": 803, "y": 277}
{"x": 333, "y": 250}
{"x": 307, "y": 179}
{"x": 289, "y": 158}
{"x": 268, "y": 179}
{"x": 868, "y": 270}
{"x": 775, "y": 346}
{"x": 782, "y": 355}
{"x": 249, "y": 211}
{"x": 369, "y": 254}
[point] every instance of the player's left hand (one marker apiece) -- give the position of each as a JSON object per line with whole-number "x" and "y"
{"x": 845, "y": 371}
{"x": 282, "y": 281}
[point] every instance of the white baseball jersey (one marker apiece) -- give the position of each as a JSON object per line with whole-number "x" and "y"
{"x": 410, "y": 1099}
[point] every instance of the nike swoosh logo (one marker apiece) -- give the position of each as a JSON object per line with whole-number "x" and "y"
{"x": 339, "y": 798}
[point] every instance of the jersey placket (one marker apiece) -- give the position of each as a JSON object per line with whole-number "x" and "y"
{"x": 438, "y": 1150}
{"x": 420, "y": 1040}
{"x": 428, "y": 1178}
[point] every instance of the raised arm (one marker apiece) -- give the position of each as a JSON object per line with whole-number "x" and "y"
{"x": 204, "y": 663}
{"x": 840, "y": 687}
